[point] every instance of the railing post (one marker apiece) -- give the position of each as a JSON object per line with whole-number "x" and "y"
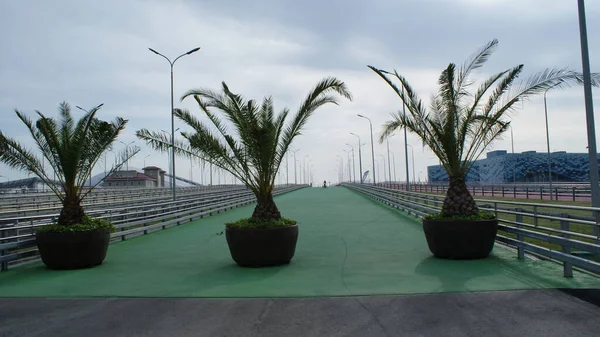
{"x": 520, "y": 248}
{"x": 564, "y": 225}
{"x": 527, "y": 192}
{"x": 541, "y": 193}
{"x": 514, "y": 192}
{"x": 573, "y": 193}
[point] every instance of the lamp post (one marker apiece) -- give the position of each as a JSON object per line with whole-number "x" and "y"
{"x": 405, "y": 144}
{"x": 353, "y": 164}
{"x": 172, "y": 113}
{"x": 169, "y": 156}
{"x": 349, "y": 168}
{"x": 360, "y": 174}
{"x": 388, "y": 155}
{"x": 589, "y": 109}
{"x": 341, "y": 169}
{"x": 127, "y": 153}
{"x": 372, "y": 147}
{"x": 548, "y": 141}
{"x": 394, "y": 160}
{"x": 145, "y": 160}
{"x": 304, "y": 169}
{"x": 295, "y": 176}
{"x": 512, "y": 144}
{"x": 413, "y": 161}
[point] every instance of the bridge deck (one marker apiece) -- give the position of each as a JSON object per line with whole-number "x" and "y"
{"x": 348, "y": 245}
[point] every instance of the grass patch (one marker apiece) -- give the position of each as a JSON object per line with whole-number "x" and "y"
{"x": 87, "y": 224}
{"x": 481, "y": 215}
{"x": 257, "y": 223}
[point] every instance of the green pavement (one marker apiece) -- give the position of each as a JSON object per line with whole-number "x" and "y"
{"x": 348, "y": 245}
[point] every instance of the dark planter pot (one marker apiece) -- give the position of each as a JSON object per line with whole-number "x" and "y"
{"x": 73, "y": 250}
{"x": 262, "y": 247}
{"x": 460, "y": 239}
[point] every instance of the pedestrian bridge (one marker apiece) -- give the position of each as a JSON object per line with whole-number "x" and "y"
{"x": 354, "y": 257}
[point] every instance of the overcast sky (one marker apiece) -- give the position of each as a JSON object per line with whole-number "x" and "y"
{"x": 92, "y": 52}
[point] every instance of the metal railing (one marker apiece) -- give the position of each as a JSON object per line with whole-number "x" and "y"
{"x": 99, "y": 195}
{"x": 17, "y": 235}
{"x": 560, "y": 191}
{"x": 116, "y": 200}
{"x": 562, "y": 233}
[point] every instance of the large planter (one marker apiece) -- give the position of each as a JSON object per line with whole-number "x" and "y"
{"x": 73, "y": 250}
{"x": 262, "y": 247}
{"x": 460, "y": 239}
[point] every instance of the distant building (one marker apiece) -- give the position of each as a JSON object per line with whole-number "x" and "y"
{"x": 152, "y": 177}
{"x": 530, "y": 166}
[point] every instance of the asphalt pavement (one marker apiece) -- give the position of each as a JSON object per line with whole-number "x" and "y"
{"x": 545, "y": 313}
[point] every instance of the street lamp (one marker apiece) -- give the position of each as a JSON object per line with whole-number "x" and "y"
{"x": 353, "y": 164}
{"x": 295, "y": 176}
{"x": 372, "y": 147}
{"x": 169, "y": 156}
{"x": 341, "y": 172}
{"x": 413, "y": 161}
{"x": 127, "y": 152}
{"x": 360, "y": 174}
{"x": 303, "y": 178}
{"x": 145, "y": 160}
{"x": 388, "y": 155}
{"x": 589, "y": 109}
{"x": 405, "y": 143}
{"x": 548, "y": 140}
{"x": 172, "y": 113}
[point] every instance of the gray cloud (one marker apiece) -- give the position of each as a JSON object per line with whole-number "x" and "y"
{"x": 93, "y": 52}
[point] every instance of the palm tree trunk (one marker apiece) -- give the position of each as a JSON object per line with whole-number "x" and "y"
{"x": 458, "y": 200}
{"x": 266, "y": 208}
{"x": 72, "y": 213}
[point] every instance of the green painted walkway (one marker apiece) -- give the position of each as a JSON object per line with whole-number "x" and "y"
{"x": 348, "y": 245}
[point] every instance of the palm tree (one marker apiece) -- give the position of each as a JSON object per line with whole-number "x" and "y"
{"x": 255, "y": 150}
{"x": 459, "y": 125}
{"x": 72, "y": 148}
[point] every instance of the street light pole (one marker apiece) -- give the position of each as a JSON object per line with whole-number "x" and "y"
{"x": 589, "y": 112}
{"x": 548, "y": 141}
{"x": 295, "y": 176}
{"x": 172, "y": 113}
{"x": 388, "y": 155}
{"x": 341, "y": 168}
{"x": 405, "y": 144}
{"x": 413, "y": 161}
{"x": 127, "y": 153}
{"x": 353, "y": 164}
{"x": 145, "y": 160}
{"x": 360, "y": 174}
{"x": 512, "y": 144}
{"x": 394, "y": 160}
{"x": 372, "y": 147}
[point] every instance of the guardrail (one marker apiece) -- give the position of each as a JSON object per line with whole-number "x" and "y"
{"x": 562, "y": 233}
{"x": 17, "y": 240}
{"x": 560, "y": 192}
{"x": 100, "y": 195}
{"x": 45, "y": 208}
